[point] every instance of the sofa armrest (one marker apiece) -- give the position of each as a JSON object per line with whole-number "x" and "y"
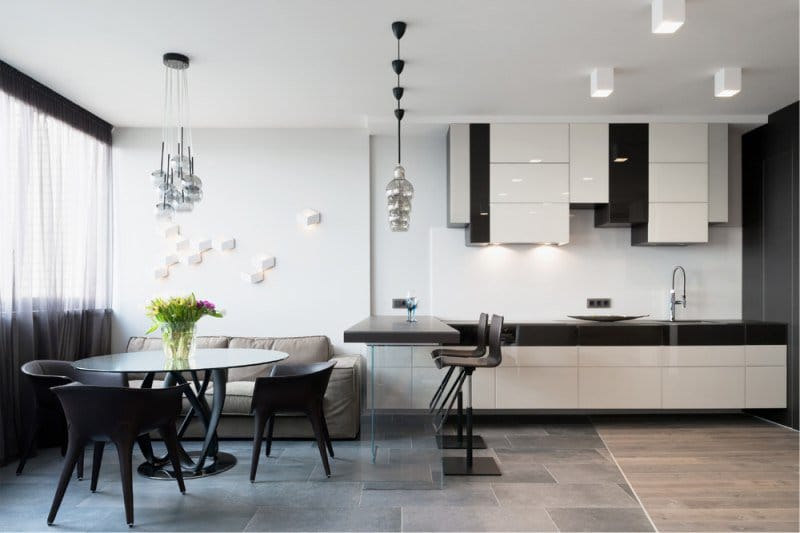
{"x": 343, "y": 397}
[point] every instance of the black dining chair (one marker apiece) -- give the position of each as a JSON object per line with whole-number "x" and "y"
{"x": 457, "y": 441}
{"x": 119, "y": 415}
{"x": 469, "y": 465}
{"x": 292, "y": 389}
{"x": 43, "y": 374}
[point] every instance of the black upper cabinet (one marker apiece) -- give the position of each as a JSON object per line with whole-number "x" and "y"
{"x": 478, "y": 229}
{"x": 627, "y": 177}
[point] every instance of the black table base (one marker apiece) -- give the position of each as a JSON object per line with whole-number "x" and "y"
{"x": 209, "y": 460}
{"x": 224, "y": 461}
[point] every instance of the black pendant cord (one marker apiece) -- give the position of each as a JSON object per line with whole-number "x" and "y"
{"x": 398, "y": 28}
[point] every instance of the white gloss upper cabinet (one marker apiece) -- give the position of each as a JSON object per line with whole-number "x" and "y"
{"x": 529, "y": 143}
{"x": 717, "y": 173}
{"x": 678, "y": 143}
{"x": 677, "y": 223}
{"x": 529, "y": 223}
{"x": 588, "y": 163}
{"x": 528, "y": 183}
{"x": 458, "y": 175}
{"x": 678, "y": 182}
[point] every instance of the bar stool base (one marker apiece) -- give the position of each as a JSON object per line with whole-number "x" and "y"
{"x": 452, "y": 442}
{"x": 481, "y": 466}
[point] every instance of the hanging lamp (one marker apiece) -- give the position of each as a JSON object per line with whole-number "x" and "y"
{"x": 399, "y": 190}
{"x": 178, "y": 188}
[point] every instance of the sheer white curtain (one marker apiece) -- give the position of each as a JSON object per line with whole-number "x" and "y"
{"x": 55, "y": 199}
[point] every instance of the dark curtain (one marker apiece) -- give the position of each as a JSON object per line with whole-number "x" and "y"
{"x": 63, "y": 335}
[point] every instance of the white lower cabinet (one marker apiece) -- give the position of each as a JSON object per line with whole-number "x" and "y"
{"x": 595, "y": 377}
{"x": 697, "y": 387}
{"x": 536, "y": 387}
{"x": 619, "y": 387}
{"x": 765, "y": 380}
{"x": 765, "y": 387}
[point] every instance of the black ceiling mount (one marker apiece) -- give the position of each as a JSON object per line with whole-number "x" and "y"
{"x": 398, "y": 113}
{"x": 397, "y": 66}
{"x": 397, "y": 92}
{"x": 399, "y": 29}
{"x": 176, "y": 61}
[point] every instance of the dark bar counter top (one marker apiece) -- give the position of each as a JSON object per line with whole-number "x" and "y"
{"x": 640, "y": 332}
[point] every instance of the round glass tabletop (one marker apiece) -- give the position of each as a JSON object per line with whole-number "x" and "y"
{"x": 156, "y": 360}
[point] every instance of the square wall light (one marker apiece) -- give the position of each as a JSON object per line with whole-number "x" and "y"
{"x": 727, "y": 82}
{"x": 668, "y": 15}
{"x": 602, "y": 82}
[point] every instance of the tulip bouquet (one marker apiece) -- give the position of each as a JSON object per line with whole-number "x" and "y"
{"x": 177, "y": 317}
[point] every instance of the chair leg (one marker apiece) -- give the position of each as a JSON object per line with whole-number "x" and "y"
{"x": 74, "y": 448}
{"x": 327, "y": 435}
{"x": 124, "y": 452}
{"x": 270, "y": 429}
{"x": 79, "y": 474}
{"x": 29, "y": 444}
{"x": 315, "y": 415}
{"x": 258, "y": 435}
{"x": 171, "y": 440}
{"x": 97, "y": 460}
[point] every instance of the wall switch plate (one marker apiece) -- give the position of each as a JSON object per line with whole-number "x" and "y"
{"x": 598, "y": 303}
{"x": 398, "y": 303}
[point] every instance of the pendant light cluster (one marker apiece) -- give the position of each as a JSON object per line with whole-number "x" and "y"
{"x": 399, "y": 191}
{"x": 177, "y": 186}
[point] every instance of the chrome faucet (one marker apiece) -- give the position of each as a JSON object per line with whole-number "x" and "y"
{"x": 672, "y": 301}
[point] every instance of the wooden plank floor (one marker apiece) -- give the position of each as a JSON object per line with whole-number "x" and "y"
{"x": 708, "y": 472}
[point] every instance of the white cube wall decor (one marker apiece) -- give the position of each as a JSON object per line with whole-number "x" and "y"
{"x": 202, "y": 245}
{"x": 182, "y": 243}
{"x": 264, "y": 262}
{"x": 222, "y": 245}
{"x": 192, "y": 258}
{"x": 170, "y": 230}
{"x": 170, "y": 259}
{"x": 309, "y": 217}
{"x": 161, "y": 272}
{"x": 253, "y": 277}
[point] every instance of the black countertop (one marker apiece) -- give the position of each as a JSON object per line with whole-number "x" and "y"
{"x": 387, "y": 330}
{"x": 632, "y": 333}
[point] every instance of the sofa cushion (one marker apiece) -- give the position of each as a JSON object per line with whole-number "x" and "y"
{"x": 141, "y": 344}
{"x": 301, "y": 350}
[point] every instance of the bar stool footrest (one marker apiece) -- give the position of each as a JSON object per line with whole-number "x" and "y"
{"x": 481, "y": 466}
{"x": 452, "y": 442}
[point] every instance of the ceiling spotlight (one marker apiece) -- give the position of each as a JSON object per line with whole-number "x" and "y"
{"x": 668, "y": 15}
{"x": 602, "y": 82}
{"x": 727, "y": 82}
{"x": 620, "y": 159}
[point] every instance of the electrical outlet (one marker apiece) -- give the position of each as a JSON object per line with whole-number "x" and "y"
{"x": 398, "y": 303}
{"x": 598, "y": 303}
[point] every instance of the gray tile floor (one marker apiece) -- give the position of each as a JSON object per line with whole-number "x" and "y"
{"x": 557, "y": 475}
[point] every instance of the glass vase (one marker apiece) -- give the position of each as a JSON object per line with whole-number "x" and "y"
{"x": 179, "y": 340}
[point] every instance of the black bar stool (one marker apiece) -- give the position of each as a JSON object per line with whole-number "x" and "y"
{"x": 457, "y": 441}
{"x": 469, "y": 465}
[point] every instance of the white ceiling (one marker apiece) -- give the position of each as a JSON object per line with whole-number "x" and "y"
{"x": 304, "y": 63}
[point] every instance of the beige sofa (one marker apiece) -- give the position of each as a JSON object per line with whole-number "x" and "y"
{"x": 342, "y": 399}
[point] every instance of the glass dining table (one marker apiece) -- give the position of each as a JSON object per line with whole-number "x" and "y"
{"x": 214, "y": 364}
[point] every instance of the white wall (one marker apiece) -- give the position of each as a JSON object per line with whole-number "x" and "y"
{"x": 534, "y": 282}
{"x": 255, "y": 182}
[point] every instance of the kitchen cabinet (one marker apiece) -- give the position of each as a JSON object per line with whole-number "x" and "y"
{"x": 520, "y": 223}
{"x": 536, "y": 387}
{"x": 717, "y": 173}
{"x": 678, "y": 143}
{"x": 529, "y": 143}
{"x": 619, "y": 387}
{"x": 765, "y": 376}
{"x": 673, "y": 223}
{"x": 458, "y": 175}
{"x": 627, "y": 177}
{"x": 694, "y": 387}
{"x": 677, "y": 186}
{"x": 526, "y": 183}
{"x": 588, "y": 163}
